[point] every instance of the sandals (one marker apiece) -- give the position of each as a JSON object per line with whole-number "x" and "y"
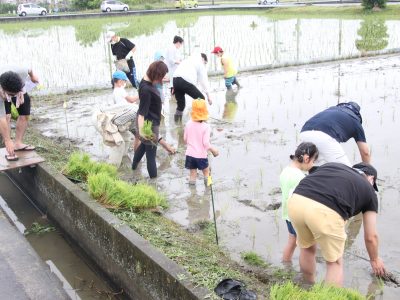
{"x": 26, "y": 148}
{"x": 11, "y": 157}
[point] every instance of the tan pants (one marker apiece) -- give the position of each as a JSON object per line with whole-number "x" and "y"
{"x": 317, "y": 223}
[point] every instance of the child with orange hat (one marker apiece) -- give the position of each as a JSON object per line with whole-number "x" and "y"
{"x": 197, "y": 139}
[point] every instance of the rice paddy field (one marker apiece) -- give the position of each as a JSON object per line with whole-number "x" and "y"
{"x": 254, "y": 128}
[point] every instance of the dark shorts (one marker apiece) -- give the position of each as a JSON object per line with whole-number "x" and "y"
{"x": 196, "y": 163}
{"x": 290, "y": 228}
{"x": 23, "y": 110}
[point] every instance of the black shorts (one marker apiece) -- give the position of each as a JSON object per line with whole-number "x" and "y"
{"x": 196, "y": 163}
{"x": 23, "y": 110}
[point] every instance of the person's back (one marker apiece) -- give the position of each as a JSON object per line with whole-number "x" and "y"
{"x": 197, "y": 136}
{"x": 337, "y": 124}
{"x": 340, "y": 188}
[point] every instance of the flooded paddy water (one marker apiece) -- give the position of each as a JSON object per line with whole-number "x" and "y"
{"x": 255, "y": 128}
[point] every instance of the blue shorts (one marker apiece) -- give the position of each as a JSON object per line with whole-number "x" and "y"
{"x": 196, "y": 163}
{"x": 229, "y": 81}
{"x": 290, "y": 228}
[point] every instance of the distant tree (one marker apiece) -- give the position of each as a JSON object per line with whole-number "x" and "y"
{"x": 369, "y": 4}
{"x": 373, "y": 33}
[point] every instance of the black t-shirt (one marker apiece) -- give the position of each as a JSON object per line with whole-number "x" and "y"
{"x": 122, "y": 48}
{"x": 338, "y": 124}
{"x": 341, "y": 188}
{"x": 150, "y": 102}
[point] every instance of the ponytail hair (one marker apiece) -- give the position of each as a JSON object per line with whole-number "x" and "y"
{"x": 305, "y": 148}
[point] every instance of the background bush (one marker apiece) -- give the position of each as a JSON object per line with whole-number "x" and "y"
{"x": 5, "y": 8}
{"x": 369, "y": 4}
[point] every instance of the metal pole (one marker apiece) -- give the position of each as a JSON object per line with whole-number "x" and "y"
{"x": 209, "y": 183}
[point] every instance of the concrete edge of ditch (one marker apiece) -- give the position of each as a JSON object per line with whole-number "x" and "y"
{"x": 124, "y": 256}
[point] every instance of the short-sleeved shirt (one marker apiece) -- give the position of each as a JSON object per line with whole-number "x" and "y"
{"x": 122, "y": 48}
{"x": 289, "y": 179}
{"x": 150, "y": 102}
{"x": 338, "y": 124}
{"x": 340, "y": 188}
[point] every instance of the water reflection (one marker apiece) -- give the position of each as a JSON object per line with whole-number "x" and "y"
{"x": 374, "y": 36}
{"x": 76, "y": 55}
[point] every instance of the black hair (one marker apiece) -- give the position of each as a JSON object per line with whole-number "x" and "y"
{"x": 204, "y": 57}
{"x": 305, "y": 148}
{"x": 11, "y": 82}
{"x": 177, "y": 39}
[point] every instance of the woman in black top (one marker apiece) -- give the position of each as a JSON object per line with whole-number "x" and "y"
{"x": 150, "y": 109}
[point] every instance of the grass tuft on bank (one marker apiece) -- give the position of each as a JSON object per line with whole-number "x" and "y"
{"x": 319, "y": 291}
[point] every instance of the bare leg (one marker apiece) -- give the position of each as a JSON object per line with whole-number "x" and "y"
{"x": 22, "y": 124}
{"x": 206, "y": 172}
{"x": 192, "y": 176}
{"x": 308, "y": 263}
{"x": 289, "y": 248}
{"x": 334, "y": 272}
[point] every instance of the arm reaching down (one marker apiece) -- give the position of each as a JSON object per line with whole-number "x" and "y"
{"x": 364, "y": 152}
{"x": 371, "y": 243}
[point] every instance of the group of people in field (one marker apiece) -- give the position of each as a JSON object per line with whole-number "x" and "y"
{"x": 317, "y": 201}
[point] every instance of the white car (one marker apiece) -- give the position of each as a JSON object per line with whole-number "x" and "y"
{"x": 266, "y": 2}
{"x": 31, "y": 9}
{"x": 107, "y": 6}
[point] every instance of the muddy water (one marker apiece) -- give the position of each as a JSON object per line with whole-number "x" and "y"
{"x": 74, "y": 54}
{"x": 79, "y": 279}
{"x": 255, "y": 130}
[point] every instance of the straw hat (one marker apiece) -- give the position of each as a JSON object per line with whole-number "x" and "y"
{"x": 199, "y": 110}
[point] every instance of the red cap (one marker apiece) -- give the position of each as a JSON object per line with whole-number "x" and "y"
{"x": 217, "y": 49}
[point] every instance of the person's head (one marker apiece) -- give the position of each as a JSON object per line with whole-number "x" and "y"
{"x": 204, "y": 57}
{"x": 371, "y": 174}
{"x": 11, "y": 83}
{"x": 111, "y": 37}
{"x": 352, "y": 108}
{"x": 159, "y": 56}
{"x": 217, "y": 51}
{"x": 119, "y": 79}
{"x": 178, "y": 41}
{"x": 199, "y": 110}
{"x": 157, "y": 71}
{"x": 305, "y": 155}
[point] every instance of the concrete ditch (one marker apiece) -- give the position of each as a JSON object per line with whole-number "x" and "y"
{"x": 127, "y": 259}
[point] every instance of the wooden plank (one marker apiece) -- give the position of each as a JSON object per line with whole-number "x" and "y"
{"x": 25, "y": 158}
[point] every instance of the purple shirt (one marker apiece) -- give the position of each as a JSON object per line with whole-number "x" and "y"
{"x": 197, "y": 138}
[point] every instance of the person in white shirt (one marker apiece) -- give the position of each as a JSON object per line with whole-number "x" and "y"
{"x": 173, "y": 57}
{"x": 190, "y": 72}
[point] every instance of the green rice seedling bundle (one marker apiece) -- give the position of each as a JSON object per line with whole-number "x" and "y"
{"x": 80, "y": 165}
{"x": 120, "y": 194}
{"x": 147, "y": 132}
{"x": 253, "y": 259}
{"x": 99, "y": 185}
{"x": 14, "y": 112}
{"x": 319, "y": 291}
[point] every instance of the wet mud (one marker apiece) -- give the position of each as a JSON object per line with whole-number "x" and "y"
{"x": 256, "y": 129}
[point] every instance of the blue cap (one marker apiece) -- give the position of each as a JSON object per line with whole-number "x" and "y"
{"x": 120, "y": 75}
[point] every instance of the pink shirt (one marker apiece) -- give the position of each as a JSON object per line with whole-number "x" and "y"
{"x": 197, "y": 138}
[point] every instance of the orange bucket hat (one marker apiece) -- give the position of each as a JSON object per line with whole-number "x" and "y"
{"x": 199, "y": 110}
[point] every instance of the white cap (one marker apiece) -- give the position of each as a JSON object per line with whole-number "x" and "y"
{"x": 109, "y": 35}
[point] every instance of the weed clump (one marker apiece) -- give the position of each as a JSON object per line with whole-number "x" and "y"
{"x": 289, "y": 290}
{"x": 253, "y": 259}
{"x": 80, "y": 165}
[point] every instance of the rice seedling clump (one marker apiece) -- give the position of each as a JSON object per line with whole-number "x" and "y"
{"x": 80, "y": 165}
{"x": 147, "y": 132}
{"x": 319, "y": 291}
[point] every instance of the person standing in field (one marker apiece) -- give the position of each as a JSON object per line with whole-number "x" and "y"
{"x": 302, "y": 161}
{"x": 121, "y": 48}
{"x": 173, "y": 57}
{"x": 197, "y": 139}
{"x": 229, "y": 69}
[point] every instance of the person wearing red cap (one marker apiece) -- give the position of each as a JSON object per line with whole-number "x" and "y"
{"x": 229, "y": 68}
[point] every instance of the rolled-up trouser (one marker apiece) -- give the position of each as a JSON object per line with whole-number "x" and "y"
{"x": 182, "y": 87}
{"x": 329, "y": 149}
